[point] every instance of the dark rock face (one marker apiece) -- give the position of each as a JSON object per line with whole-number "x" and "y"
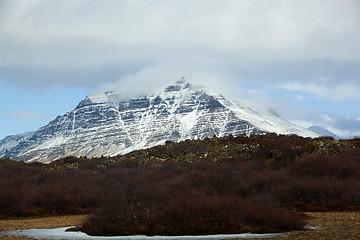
{"x": 105, "y": 124}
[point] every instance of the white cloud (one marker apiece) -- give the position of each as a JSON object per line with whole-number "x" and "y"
{"x": 339, "y": 91}
{"x": 94, "y": 33}
{"x": 152, "y": 78}
{"x": 141, "y": 45}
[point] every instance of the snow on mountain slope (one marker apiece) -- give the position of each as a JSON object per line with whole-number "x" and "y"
{"x": 106, "y": 124}
{"x": 12, "y": 141}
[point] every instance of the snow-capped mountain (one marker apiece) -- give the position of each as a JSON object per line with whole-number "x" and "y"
{"x": 105, "y": 124}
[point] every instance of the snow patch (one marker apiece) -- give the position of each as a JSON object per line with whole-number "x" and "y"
{"x": 98, "y": 98}
{"x": 188, "y": 121}
{"x": 60, "y": 233}
{"x": 52, "y": 142}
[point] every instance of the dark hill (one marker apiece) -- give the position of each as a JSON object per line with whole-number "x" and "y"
{"x": 267, "y": 148}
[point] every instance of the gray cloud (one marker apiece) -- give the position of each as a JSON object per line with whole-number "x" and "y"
{"x": 339, "y": 91}
{"x": 88, "y": 42}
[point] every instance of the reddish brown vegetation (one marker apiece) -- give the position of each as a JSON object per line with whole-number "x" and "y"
{"x": 175, "y": 199}
{"x": 28, "y": 190}
{"x": 227, "y": 185}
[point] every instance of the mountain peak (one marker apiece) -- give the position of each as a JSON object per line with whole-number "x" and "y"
{"x": 179, "y": 85}
{"x": 117, "y": 96}
{"x": 182, "y": 81}
{"x": 108, "y": 124}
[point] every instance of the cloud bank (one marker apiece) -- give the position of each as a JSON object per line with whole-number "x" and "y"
{"x": 90, "y": 42}
{"x": 306, "y": 49}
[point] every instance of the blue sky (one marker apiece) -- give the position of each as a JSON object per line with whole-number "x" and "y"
{"x": 301, "y": 58}
{"x": 24, "y": 110}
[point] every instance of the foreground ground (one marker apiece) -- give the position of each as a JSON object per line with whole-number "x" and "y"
{"x": 335, "y": 225}
{"x": 45, "y": 222}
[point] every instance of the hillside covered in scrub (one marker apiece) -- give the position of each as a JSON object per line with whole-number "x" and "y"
{"x": 215, "y": 185}
{"x": 269, "y": 148}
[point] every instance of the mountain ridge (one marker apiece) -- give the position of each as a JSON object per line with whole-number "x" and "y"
{"x": 106, "y": 124}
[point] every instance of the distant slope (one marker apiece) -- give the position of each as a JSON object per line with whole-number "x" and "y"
{"x": 322, "y": 131}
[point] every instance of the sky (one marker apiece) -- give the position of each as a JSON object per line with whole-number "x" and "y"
{"x": 300, "y": 58}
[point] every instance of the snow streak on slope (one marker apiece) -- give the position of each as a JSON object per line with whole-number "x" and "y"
{"x": 105, "y": 124}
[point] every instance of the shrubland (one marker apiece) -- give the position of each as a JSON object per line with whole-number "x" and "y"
{"x": 217, "y": 185}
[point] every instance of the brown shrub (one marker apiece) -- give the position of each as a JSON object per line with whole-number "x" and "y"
{"x": 136, "y": 196}
{"x": 190, "y": 214}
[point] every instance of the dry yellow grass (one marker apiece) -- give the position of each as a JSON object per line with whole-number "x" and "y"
{"x": 44, "y": 222}
{"x": 335, "y": 225}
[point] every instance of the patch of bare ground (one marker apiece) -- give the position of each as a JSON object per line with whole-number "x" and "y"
{"x": 335, "y": 225}
{"x": 43, "y": 222}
